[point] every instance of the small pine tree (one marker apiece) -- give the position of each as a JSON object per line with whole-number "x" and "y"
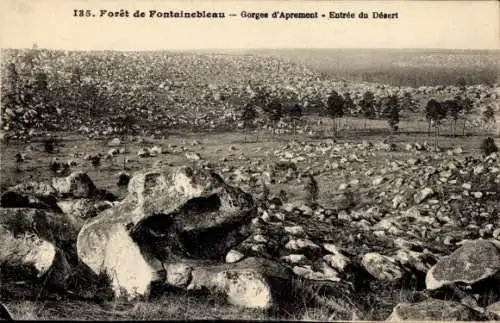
{"x": 466, "y": 107}
{"x": 461, "y": 83}
{"x": 488, "y": 146}
{"x": 274, "y": 112}
{"x": 248, "y": 117}
{"x": 408, "y": 103}
{"x": 454, "y": 109}
{"x": 367, "y": 105}
{"x": 348, "y": 103}
{"x": 48, "y": 146}
{"x": 126, "y": 122}
{"x": 390, "y": 106}
{"x": 335, "y": 107}
{"x": 488, "y": 114}
{"x": 295, "y": 114}
{"x": 435, "y": 112}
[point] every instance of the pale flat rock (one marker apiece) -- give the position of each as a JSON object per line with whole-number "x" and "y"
{"x": 234, "y": 256}
{"x": 472, "y": 262}
{"x": 494, "y": 309}
{"x": 179, "y": 274}
{"x": 382, "y": 267}
{"x": 294, "y": 230}
{"x": 300, "y": 244}
{"x": 250, "y": 283}
{"x": 295, "y": 259}
{"x": 431, "y": 310}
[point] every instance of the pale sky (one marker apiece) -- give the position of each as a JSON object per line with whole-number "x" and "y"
{"x": 421, "y": 24}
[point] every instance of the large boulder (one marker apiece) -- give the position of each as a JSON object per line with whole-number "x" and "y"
{"x": 39, "y": 247}
{"x": 494, "y": 309}
{"x": 79, "y": 210}
{"x": 169, "y": 214}
{"x": 432, "y": 310}
{"x": 56, "y": 228}
{"x": 35, "y": 188}
{"x": 471, "y": 263}
{"x": 26, "y": 250}
{"x": 251, "y": 283}
{"x": 76, "y": 185}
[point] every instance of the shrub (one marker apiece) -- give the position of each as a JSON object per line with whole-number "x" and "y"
{"x": 488, "y": 146}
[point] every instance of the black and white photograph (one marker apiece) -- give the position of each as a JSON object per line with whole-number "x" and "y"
{"x": 250, "y": 160}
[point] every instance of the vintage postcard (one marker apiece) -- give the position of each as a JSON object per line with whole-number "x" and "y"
{"x": 252, "y": 160}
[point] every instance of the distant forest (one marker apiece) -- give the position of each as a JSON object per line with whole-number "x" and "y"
{"x": 399, "y": 67}
{"x": 418, "y": 76}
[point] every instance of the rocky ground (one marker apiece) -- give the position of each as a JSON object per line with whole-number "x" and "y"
{"x": 281, "y": 228}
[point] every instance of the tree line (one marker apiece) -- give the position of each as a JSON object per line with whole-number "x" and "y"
{"x": 387, "y": 107}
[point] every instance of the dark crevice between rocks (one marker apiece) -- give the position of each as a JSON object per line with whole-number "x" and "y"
{"x": 486, "y": 291}
{"x": 378, "y": 298}
{"x": 159, "y": 289}
{"x": 21, "y": 282}
{"x": 11, "y": 199}
{"x": 168, "y": 236}
{"x": 198, "y": 205}
{"x": 105, "y": 195}
{"x": 215, "y": 242}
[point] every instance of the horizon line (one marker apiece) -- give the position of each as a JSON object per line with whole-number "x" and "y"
{"x": 254, "y": 49}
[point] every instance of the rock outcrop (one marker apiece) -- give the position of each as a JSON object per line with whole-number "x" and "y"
{"x": 176, "y": 213}
{"x": 469, "y": 264}
{"x": 432, "y": 310}
{"x": 40, "y": 246}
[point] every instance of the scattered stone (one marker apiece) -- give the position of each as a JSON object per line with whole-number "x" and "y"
{"x": 296, "y": 259}
{"x": 494, "y": 309}
{"x": 423, "y": 195}
{"x": 306, "y": 210}
{"x": 477, "y": 195}
{"x": 234, "y": 256}
{"x": 295, "y": 230}
{"x": 113, "y": 152}
{"x": 155, "y": 151}
{"x": 335, "y": 259}
{"x": 420, "y": 261}
{"x": 76, "y": 185}
{"x": 143, "y": 153}
{"x": 178, "y": 275}
{"x": 432, "y": 310}
{"x": 115, "y": 142}
{"x": 79, "y": 209}
{"x": 300, "y": 244}
{"x": 382, "y": 267}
